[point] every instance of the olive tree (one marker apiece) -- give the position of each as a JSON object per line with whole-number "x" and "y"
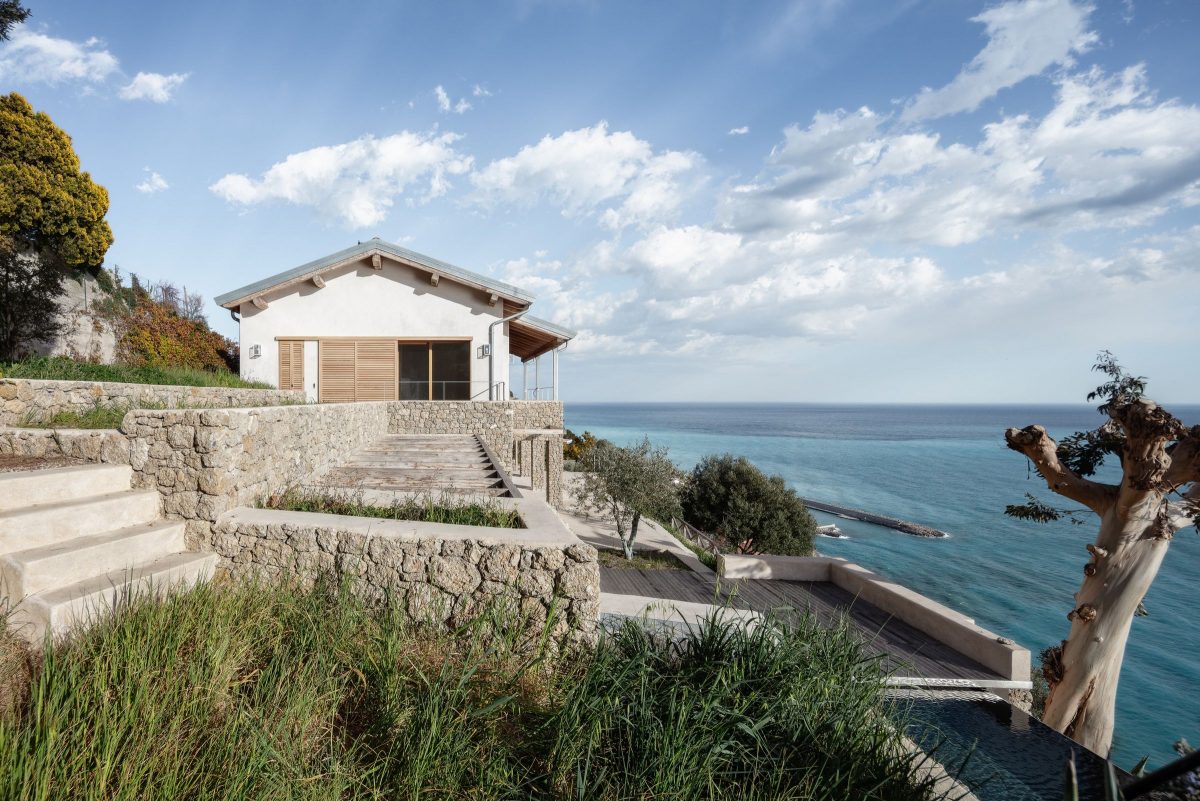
{"x": 1158, "y": 494}
{"x": 627, "y": 483}
{"x": 51, "y": 223}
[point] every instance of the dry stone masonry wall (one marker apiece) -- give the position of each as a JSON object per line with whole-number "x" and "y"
{"x": 445, "y": 579}
{"x": 23, "y": 398}
{"x": 205, "y": 462}
{"x": 109, "y": 447}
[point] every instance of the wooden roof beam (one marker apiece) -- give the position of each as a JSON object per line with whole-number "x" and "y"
{"x": 318, "y": 282}
{"x": 258, "y": 302}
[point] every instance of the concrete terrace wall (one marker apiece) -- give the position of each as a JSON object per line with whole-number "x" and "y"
{"x": 924, "y": 614}
{"x": 207, "y": 461}
{"x": 26, "y": 397}
{"x": 435, "y": 572}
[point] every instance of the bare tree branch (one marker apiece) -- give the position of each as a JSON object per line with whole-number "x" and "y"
{"x": 1042, "y": 450}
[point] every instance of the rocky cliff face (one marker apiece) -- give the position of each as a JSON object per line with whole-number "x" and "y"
{"x": 86, "y": 334}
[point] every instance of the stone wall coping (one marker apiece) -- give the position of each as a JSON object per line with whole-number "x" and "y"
{"x": 924, "y": 614}
{"x": 535, "y": 513}
{"x": 538, "y": 432}
{"x": 405, "y": 530}
{"x": 67, "y": 432}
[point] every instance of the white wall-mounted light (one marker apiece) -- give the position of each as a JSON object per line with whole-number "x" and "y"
{"x": 255, "y": 351}
{"x": 485, "y": 351}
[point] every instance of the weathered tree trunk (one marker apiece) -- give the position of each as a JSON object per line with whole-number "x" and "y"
{"x": 1083, "y": 679}
{"x": 633, "y": 527}
{"x": 1137, "y": 522}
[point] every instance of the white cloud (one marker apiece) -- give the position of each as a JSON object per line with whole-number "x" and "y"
{"x": 1025, "y": 38}
{"x": 591, "y": 169}
{"x": 445, "y": 105}
{"x": 152, "y": 183}
{"x": 739, "y": 131}
{"x": 480, "y": 91}
{"x": 30, "y": 57}
{"x": 152, "y": 86}
{"x": 1108, "y": 153}
{"x": 356, "y": 182}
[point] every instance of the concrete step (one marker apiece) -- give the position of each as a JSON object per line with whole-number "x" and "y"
{"x": 27, "y": 487}
{"x": 49, "y": 523}
{"x": 59, "y": 609}
{"x": 34, "y": 570}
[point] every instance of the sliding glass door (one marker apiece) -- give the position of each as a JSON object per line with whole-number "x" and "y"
{"x": 435, "y": 370}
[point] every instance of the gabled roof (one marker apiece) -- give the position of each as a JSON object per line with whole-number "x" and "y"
{"x": 366, "y": 249}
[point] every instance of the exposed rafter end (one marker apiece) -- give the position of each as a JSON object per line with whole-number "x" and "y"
{"x": 318, "y": 282}
{"x": 434, "y": 278}
{"x": 376, "y": 261}
{"x": 493, "y": 299}
{"x": 258, "y": 302}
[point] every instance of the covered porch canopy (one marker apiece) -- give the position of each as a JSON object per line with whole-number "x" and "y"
{"x": 529, "y": 338}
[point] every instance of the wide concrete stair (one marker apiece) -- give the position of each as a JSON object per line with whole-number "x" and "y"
{"x": 76, "y": 541}
{"x": 423, "y": 464}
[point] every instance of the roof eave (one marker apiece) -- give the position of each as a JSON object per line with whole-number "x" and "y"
{"x": 232, "y": 300}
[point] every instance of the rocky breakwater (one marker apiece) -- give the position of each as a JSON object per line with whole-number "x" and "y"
{"x": 916, "y": 529}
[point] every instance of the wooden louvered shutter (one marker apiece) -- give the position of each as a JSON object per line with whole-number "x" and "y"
{"x": 335, "y": 373}
{"x": 375, "y": 370}
{"x": 291, "y": 364}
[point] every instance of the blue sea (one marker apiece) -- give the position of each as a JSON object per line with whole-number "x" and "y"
{"x": 948, "y": 467}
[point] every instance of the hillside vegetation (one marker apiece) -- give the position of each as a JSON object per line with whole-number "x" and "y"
{"x": 273, "y": 692}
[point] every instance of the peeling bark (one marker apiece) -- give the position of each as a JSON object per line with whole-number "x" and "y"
{"x": 1137, "y": 522}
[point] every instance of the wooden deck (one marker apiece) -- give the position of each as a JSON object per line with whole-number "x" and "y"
{"x": 911, "y": 656}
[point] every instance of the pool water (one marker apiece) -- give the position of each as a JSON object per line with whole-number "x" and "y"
{"x": 997, "y": 750}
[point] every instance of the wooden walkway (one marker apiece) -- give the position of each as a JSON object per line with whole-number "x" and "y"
{"x": 911, "y": 656}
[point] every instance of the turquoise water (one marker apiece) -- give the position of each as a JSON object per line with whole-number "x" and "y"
{"x": 948, "y": 467}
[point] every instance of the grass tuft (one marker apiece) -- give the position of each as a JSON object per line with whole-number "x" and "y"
{"x": 249, "y": 690}
{"x": 443, "y": 509}
{"x": 60, "y": 368}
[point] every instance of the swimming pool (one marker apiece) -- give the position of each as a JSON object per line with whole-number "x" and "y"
{"x": 997, "y": 750}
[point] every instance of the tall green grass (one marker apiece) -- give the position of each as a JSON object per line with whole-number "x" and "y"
{"x": 446, "y": 508}
{"x": 275, "y": 692}
{"x": 63, "y": 369}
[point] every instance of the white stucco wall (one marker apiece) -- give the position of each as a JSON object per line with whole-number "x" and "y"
{"x": 359, "y": 301}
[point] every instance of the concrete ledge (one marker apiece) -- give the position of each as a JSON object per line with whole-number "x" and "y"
{"x": 668, "y": 611}
{"x": 942, "y": 623}
{"x": 780, "y": 568}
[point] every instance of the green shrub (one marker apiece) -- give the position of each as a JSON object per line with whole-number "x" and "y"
{"x": 729, "y": 497}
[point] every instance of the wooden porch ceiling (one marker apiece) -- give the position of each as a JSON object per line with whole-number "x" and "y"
{"x": 526, "y": 342}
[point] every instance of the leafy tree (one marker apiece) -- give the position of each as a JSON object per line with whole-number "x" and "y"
{"x": 51, "y": 222}
{"x": 578, "y": 447}
{"x": 1158, "y": 495}
{"x": 628, "y": 483}
{"x": 729, "y": 497}
{"x": 11, "y": 13}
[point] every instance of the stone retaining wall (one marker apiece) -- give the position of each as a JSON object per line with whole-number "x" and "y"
{"x": 207, "y": 461}
{"x": 433, "y": 571}
{"x": 90, "y": 445}
{"x": 22, "y": 398}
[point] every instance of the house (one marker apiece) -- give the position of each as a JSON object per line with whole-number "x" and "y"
{"x": 380, "y": 322}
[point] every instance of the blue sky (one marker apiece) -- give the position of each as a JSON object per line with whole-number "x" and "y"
{"x": 815, "y": 200}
